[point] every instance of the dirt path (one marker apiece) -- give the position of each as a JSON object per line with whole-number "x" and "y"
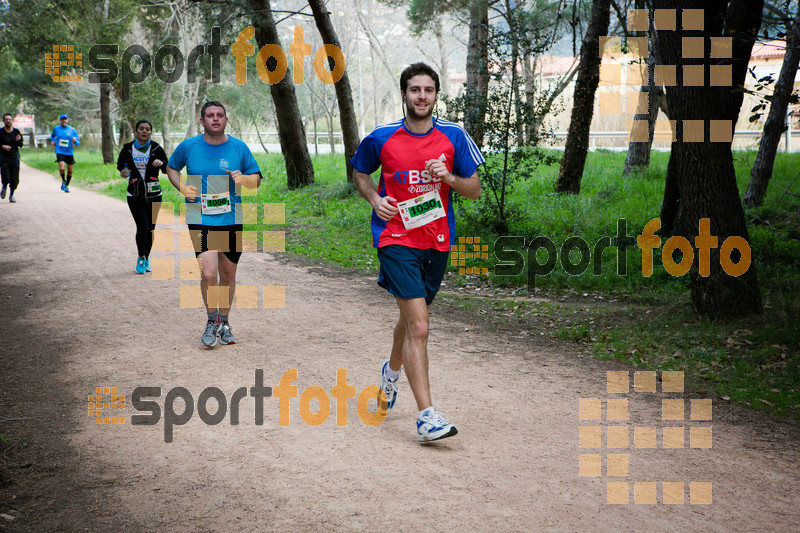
{"x": 76, "y": 316}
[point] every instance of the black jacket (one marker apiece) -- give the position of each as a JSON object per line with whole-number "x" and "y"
{"x": 137, "y": 188}
{"x": 10, "y": 139}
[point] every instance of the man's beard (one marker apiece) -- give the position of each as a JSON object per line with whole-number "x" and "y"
{"x": 411, "y": 112}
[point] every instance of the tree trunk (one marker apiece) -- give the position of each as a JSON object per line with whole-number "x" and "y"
{"x": 292, "y": 135}
{"x": 701, "y": 172}
{"x": 344, "y": 94}
{"x": 314, "y": 121}
{"x": 260, "y": 141}
{"x": 107, "y": 132}
{"x": 444, "y": 69}
{"x": 331, "y": 140}
{"x": 167, "y": 105}
{"x": 477, "y": 86}
{"x": 574, "y": 158}
{"x": 773, "y": 128}
{"x": 125, "y": 131}
{"x": 638, "y": 156}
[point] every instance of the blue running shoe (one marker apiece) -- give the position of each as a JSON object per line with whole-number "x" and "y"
{"x": 140, "y": 265}
{"x": 434, "y": 426}
{"x": 66, "y": 189}
{"x": 147, "y": 265}
{"x": 63, "y": 185}
{"x": 389, "y": 389}
{"x": 3, "y": 193}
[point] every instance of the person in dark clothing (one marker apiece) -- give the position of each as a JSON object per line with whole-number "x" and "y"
{"x": 10, "y": 143}
{"x": 139, "y": 162}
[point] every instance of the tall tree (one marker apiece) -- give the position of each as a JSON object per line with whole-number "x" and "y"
{"x": 577, "y": 145}
{"x": 638, "y": 155}
{"x": 701, "y": 181}
{"x": 774, "y": 126}
{"x": 344, "y": 95}
{"x": 424, "y": 13}
{"x": 291, "y": 132}
{"x": 477, "y": 85}
{"x": 106, "y": 129}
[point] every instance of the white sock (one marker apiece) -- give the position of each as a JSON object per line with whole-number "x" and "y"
{"x": 392, "y": 374}
{"x": 424, "y": 412}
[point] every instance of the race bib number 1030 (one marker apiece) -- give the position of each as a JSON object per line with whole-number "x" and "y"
{"x": 421, "y": 210}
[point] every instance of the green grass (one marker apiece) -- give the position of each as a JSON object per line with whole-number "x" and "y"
{"x": 646, "y": 322}
{"x": 324, "y": 222}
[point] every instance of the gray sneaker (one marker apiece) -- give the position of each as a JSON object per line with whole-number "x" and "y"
{"x": 209, "y": 338}
{"x": 225, "y": 334}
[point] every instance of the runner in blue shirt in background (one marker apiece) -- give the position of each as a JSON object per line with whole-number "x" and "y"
{"x": 63, "y": 138}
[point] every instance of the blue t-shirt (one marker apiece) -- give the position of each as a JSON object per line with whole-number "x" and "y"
{"x": 62, "y": 138}
{"x": 205, "y": 168}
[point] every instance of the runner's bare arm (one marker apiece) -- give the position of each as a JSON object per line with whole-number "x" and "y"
{"x": 468, "y": 187}
{"x": 189, "y": 191}
{"x": 382, "y": 205}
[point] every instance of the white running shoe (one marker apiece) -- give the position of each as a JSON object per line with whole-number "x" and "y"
{"x": 389, "y": 388}
{"x": 225, "y": 334}
{"x": 434, "y": 426}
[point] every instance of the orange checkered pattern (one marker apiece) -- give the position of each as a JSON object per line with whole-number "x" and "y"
{"x": 63, "y": 55}
{"x": 672, "y": 429}
{"x": 468, "y": 248}
{"x": 620, "y": 82}
{"x": 103, "y": 400}
{"x": 164, "y": 250}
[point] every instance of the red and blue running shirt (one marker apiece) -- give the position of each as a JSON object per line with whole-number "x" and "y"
{"x": 401, "y": 156}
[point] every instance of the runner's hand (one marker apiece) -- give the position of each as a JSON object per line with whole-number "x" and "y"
{"x": 385, "y": 209}
{"x": 190, "y": 192}
{"x": 157, "y": 163}
{"x": 438, "y": 169}
{"x": 6, "y": 147}
{"x": 244, "y": 180}
{"x": 19, "y": 137}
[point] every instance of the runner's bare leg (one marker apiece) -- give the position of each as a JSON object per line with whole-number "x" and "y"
{"x": 227, "y": 278}
{"x": 414, "y": 347}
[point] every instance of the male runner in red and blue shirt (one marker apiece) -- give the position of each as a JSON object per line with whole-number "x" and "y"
{"x": 422, "y": 159}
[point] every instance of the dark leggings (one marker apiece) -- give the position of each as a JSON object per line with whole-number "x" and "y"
{"x": 10, "y": 172}
{"x": 142, "y": 211}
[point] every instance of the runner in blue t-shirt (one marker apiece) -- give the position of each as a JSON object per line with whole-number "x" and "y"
{"x": 217, "y": 165}
{"x": 63, "y": 138}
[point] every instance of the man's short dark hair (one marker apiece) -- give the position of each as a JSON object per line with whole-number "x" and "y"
{"x": 415, "y": 69}
{"x": 212, "y": 103}
{"x": 7, "y": 115}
